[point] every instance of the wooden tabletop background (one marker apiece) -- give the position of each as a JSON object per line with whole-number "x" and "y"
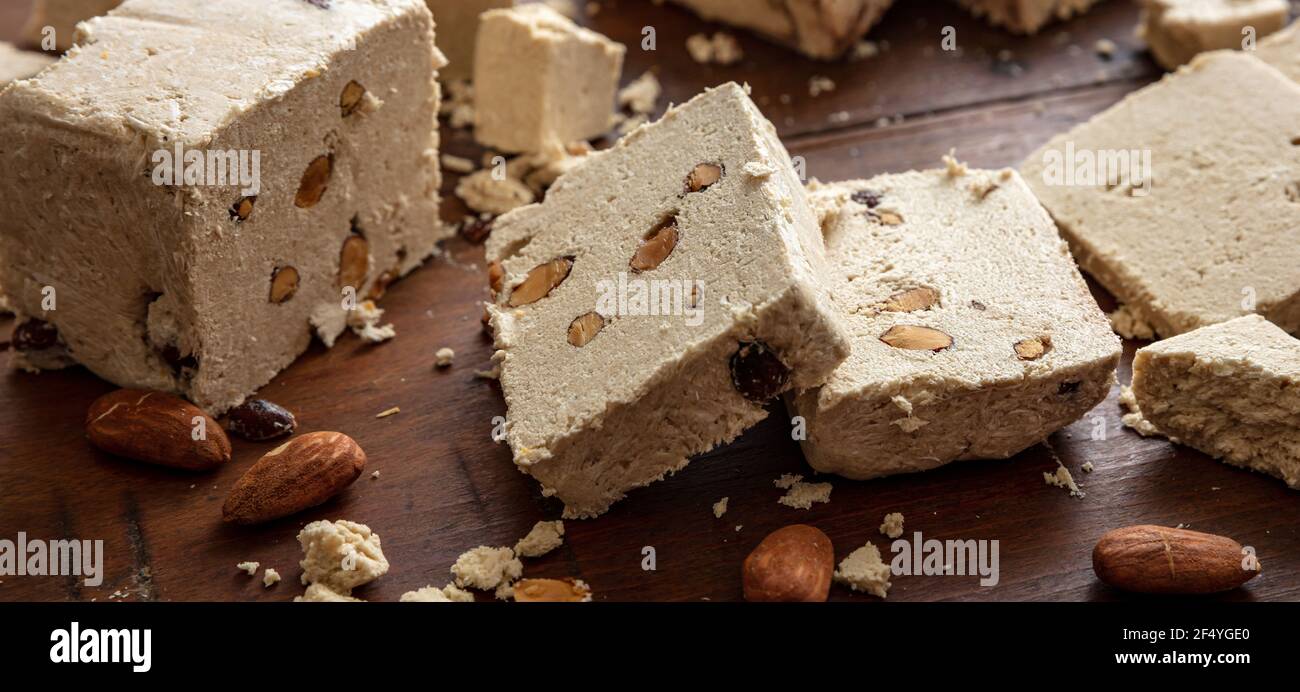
{"x": 445, "y": 487}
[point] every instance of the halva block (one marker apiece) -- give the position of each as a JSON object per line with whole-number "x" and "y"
{"x": 1177, "y": 30}
{"x": 456, "y": 22}
{"x": 1025, "y": 16}
{"x": 818, "y": 29}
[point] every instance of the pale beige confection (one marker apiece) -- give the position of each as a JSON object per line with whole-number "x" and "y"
{"x": 816, "y": 28}
{"x": 319, "y": 593}
{"x": 1231, "y": 390}
{"x": 1178, "y": 30}
{"x": 1211, "y": 233}
{"x": 17, "y": 64}
{"x": 340, "y": 555}
{"x": 864, "y": 571}
{"x": 802, "y": 495}
{"x": 456, "y": 22}
{"x": 431, "y": 594}
{"x": 1132, "y": 416}
{"x": 544, "y": 537}
{"x": 1025, "y": 16}
{"x": 540, "y": 80}
{"x": 270, "y": 577}
{"x": 487, "y": 568}
{"x": 207, "y": 286}
{"x": 249, "y": 568}
{"x": 974, "y": 335}
{"x": 892, "y": 526}
{"x": 595, "y": 373}
{"x": 1282, "y": 50}
{"x": 62, "y": 17}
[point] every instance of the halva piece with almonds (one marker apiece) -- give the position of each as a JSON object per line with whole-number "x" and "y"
{"x": 1231, "y": 390}
{"x": 974, "y": 335}
{"x": 818, "y": 29}
{"x": 1183, "y": 198}
{"x": 204, "y": 185}
{"x": 657, "y": 298}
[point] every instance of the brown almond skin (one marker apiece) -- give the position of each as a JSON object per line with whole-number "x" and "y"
{"x": 1161, "y": 560}
{"x": 301, "y": 473}
{"x": 155, "y": 428}
{"x": 793, "y": 564}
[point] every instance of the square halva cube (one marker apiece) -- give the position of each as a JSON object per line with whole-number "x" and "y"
{"x": 663, "y": 292}
{"x": 1231, "y": 390}
{"x": 1178, "y": 30}
{"x": 973, "y": 334}
{"x": 542, "y": 81}
{"x": 198, "y": 186}
{"x": 456, "y": 23}
{"x": 1183, "y": 198}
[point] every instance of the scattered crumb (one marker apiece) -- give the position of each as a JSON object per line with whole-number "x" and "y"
{"x": 270, "y": 577}
{"x": 720, "y": 508}
{"x": 819, "y": 84}
{"x": 458, "y": 104}
{"x": 486, "y": 191}
{"x": 1134, "y": 418}
{"x": 364, "y": 321}
{"x": 863, "y": 570}
{"x": 486, "y": 568}
{"x": 1105, "y": 48}
{"x": 955, "y": 168}
{"x": 893, "y": 525}
{"x": 1129, "y": 324}
{"x": 786, "y": 480}
{"x": 249, "y": 567}
{"x": 544, "y": 537}
{"x": 1063, "y": 479}
{"x": 430, "y": 594}
{"x": 739, "y": 527}
{"x": 493, "y": 374}
{"x": 1087, "y": 467}
{"x": 839, "y": 117}
{"x": 375, "y": 334}
{"x": 457, "y": 164}
{"x": 389, "y": 412}
{"x": 722, "y": 48}
{"x": 375, "y": 474}
{"x": 443, "y": 357}
{"x": 641, "y": 94}
{"x": 862, "y": 50}
{"x": 802, "y": 495}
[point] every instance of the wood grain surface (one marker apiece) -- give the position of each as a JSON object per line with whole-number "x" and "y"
{"x": 445, "y": 487}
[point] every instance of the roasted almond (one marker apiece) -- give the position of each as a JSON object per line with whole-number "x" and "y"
{"x": 914, "y": 338}
{"x": 1161, "y": 560}
{"x": 792, "y": 564}
{"x": 539, "y": 283}
{"x": 301, "y": 473}
{"x": 496, "y": 273}
{"x": 354, "y": 261}
{"x": 702, "y": 176}
{"x": 156, "y": 428}
{"x": 911, "y": 300}
{"x": 551, "y": 591}
{"x": 242, "y": 209}
{"x": 585, "y": 328}
{"x": 284, "y": 283}
{"x": 314, "y": 181}
{"x": 350, "y": 98}
{"x": 658, "y": 244}
{"x": 1032, "y": 348}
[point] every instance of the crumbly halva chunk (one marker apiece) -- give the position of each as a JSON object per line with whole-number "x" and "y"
{"x": 431, "y": 594}
{"x": 863, "y": 570}
{"x": 974, "y": 335}
{"x": 1189, "y": 219}
{"x": 14, "y": 65}
{"x": 818, "y": 29}
{"x": 1025, "y": 16}
{"x": 340, "y": 555}
{"x": 544, "y": 537}
{"x": 594, "y": 374}
{"x": 487, "y": 568}
{"x": 1178, "y": 30}
{"x": 1231, "y": 390}
{"x": 541, "y": 80}
{"x": 300, "y": 182}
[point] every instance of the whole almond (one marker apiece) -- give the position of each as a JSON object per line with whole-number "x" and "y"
{"x": 301, "y": 473}
{"x": 793, "y": 564}
{"x": 156, "y": 428}
{"x": 1161, "y": 560}
{"x": 551, "y": 591}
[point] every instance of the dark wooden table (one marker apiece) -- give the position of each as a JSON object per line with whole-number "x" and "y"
{"x": 446, "y": 487}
